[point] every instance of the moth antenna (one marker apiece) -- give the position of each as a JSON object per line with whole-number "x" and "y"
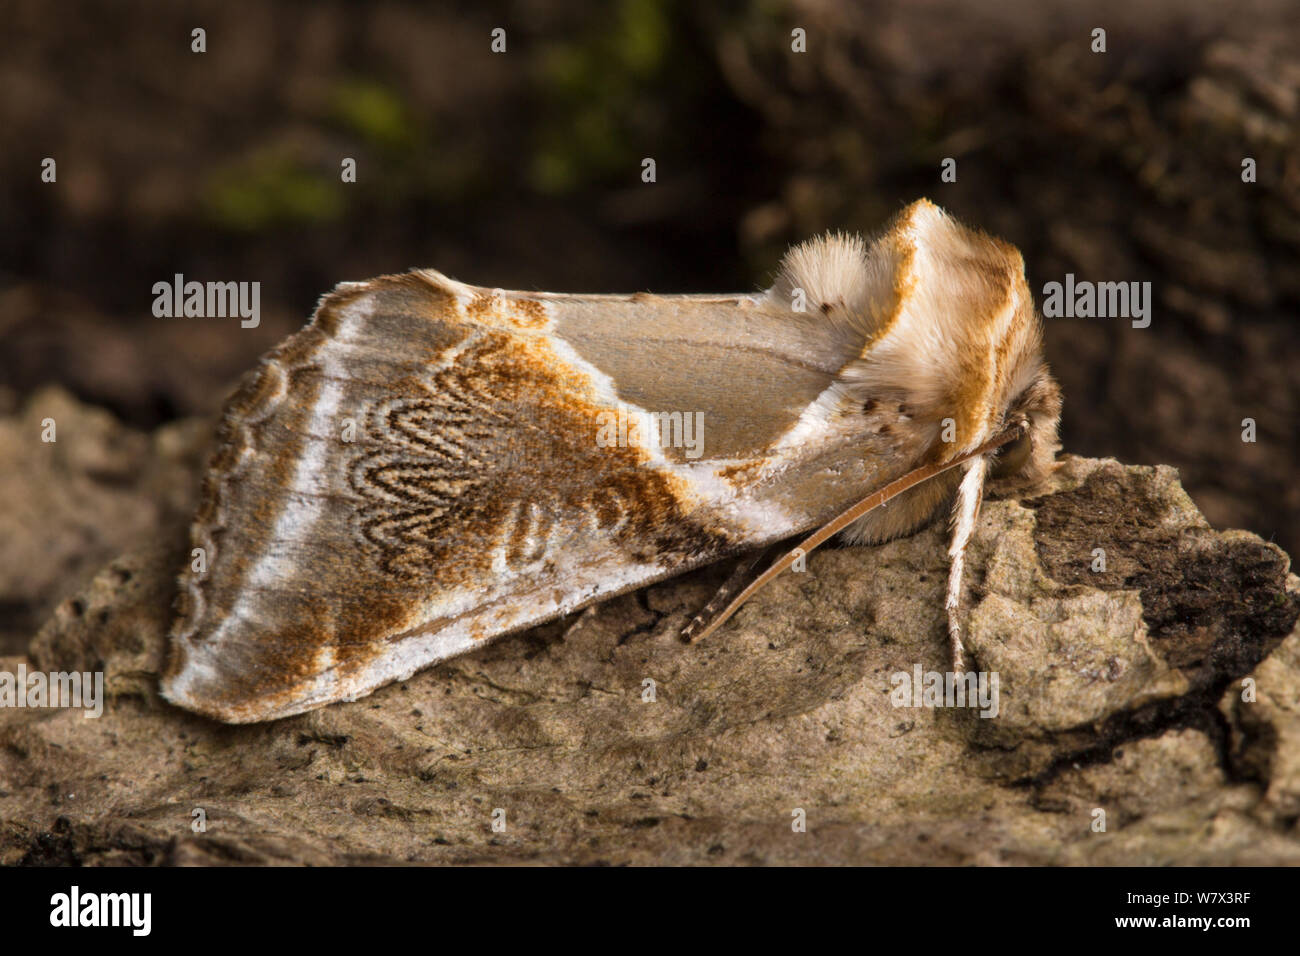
{"x": 965, "y": 513}
{"x": 846, "y": 518}
{"x": 738, "y": 576}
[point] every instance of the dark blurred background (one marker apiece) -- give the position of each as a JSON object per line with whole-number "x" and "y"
{"x": 523, "y": 170}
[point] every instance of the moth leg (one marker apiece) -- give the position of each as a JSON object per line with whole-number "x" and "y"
{"x": 965, "y": 512}
{"x": 739, "y": 577}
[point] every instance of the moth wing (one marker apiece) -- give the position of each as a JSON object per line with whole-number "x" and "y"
{"x": 421, "y": 469}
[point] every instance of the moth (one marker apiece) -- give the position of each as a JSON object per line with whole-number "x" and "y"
{"x": 428, "y": 465}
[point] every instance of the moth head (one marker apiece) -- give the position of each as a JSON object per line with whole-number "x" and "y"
{"x": 1029, "y": 459}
